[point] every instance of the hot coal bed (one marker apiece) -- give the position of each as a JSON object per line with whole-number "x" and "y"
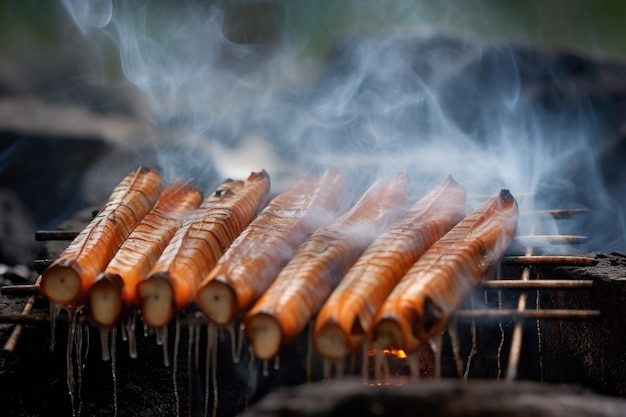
{"x": 570, "y": 334}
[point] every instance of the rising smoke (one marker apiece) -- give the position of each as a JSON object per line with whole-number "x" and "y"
{"x": 492, "y": 114}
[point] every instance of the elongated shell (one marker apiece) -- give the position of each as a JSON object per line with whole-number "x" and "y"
{"x": 346, "y": 318}
{"x": 318, "y": 265}
{"x": 256, "y": 257}
{"x": 115, "y": 289}
{"x": 420, "y": 305}
{"x": 66, "y": 281}
{"x": 194, "y": 250}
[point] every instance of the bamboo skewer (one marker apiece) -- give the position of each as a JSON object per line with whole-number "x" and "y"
{"x": 550, "y": 239}
{"x": 516, "y": 339}
{"x": 537, "y": 284}
{"x": 484, "y": 314}
{"x": 513, "y": 314}
{"x": 556, "y": 214}
{"x": 27, "y": 289}
{"x": 43, "y": 235}
{"x": 21, "y": 319}
{"x": 9, "y": 346}
{"x": 556, "y": 260}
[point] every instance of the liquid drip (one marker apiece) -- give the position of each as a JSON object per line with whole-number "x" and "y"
{"x": 236, "y": 341}
{"x": 124, "y": 333}
{"x": 499, "y": 354}
{"x": 381, "y": 366}
{"x": 453, "y": 331}
{"x": 191, "y": 359}
{"x": 365, "y": 363}
{"x": 113, "y": 368}
{"x": 474, "y": 348}
{"x": 213, "y": 352}
{"x": 241, "y": 338}
{"x": 74, "y": 357}
{"x": 473, "y": 351}
{"x": 175, "y": 366}
{"x": 104, "y": 344}
{"x": 252, "y": 374}
{"x": 435, "y": 345}
{"x": 161, "y": 340}
{"x": 353, "y": 359}
{"x": 207, "y": 367}
{"x": 86, "y": 341}
{"x": 128, "y": 328}
{"x": 55, "y": 311}
{"x": 192, "y": 362}
{"x": 309, "y": 353}
{"x": 196, "y": 344}
{"x": 266, "y": 371}
{"x": 339, "y": 367}
{"x": 414, "y": 365}
{"x": 326, "y": 368}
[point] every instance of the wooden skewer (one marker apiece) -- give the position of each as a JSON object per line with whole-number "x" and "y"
{"x": 21, "y": 319}
{"x": 554, "y": 213}
{"x": 556, "y": 260}
{"x": 557, "y": 214}
{"x": 9, "y": 346}
{"x": 554, "y": 314}
{"x": 537, "y": 284}
{"x": 43, "y": 235}
{"x": 487, "y": 314}
{"x": 26, "y": 289}
{"x": 516, "y": 338}
{"x": 551, "y": 239}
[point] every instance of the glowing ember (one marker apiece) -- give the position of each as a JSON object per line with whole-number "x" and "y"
{"x": 398, "y": 353}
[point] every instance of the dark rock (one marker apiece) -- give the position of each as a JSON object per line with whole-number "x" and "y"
{"x": 435, "y": 398}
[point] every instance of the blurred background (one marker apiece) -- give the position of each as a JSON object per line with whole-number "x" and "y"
{"x": 43, "y": 52}
{"x": 89, "y": 89}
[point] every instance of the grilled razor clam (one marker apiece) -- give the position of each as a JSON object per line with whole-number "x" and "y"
{"x": 114, "y": 290}
{"x": 256, "y": 257}
{"x": 203, "y": 238}
{"x": 419, "y": 307}
{"x": 66, "y": 281}
{"x": 301, "y": 287}
{"x": 348, "y": 314}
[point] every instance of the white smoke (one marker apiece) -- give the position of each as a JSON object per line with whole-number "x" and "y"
{"x": 387, "y": 100}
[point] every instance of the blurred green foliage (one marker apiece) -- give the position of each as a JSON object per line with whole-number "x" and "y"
{"x": 597, "y": 25}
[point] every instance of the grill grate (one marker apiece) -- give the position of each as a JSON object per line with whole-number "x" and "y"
{"x": 530, "y": 279}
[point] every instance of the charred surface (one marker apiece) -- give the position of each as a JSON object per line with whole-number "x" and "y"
{"x": 436, "y": 398}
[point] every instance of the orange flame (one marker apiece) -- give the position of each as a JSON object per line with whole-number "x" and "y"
{"x": 398, "y": 353}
